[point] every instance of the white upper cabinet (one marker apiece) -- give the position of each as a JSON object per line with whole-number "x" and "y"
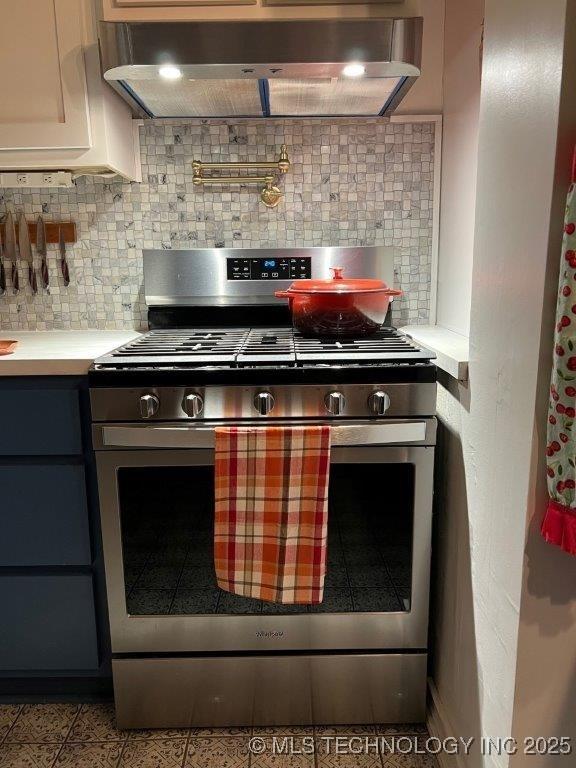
{"x": 227, "y": 10}
{"x": 171, "y": 3}
{"x": 43, "y": 76}
{"x": 56, "y": 112}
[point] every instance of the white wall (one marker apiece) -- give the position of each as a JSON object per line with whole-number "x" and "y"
{"x": 486, "y": 450}
{"x": 462, "y": 36}
{"x": 545, "y": 696}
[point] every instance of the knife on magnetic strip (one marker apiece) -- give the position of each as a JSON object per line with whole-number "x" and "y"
{"x": 42, "y": 252}
{"x": 26, "y": 251}
{"x": 63, "y": 262}
{"x": 10, "y": 237}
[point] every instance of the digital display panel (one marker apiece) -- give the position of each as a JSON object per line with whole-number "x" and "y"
{"x": 269, "y": 268}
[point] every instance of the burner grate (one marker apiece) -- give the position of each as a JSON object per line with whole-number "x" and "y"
{"x": 270, "y": 345}
{"x": 386, "y": 344}
{"x": 253, "y": 347}
{"x": 182, "y": 347}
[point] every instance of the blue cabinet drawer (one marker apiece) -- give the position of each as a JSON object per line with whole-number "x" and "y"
{"x": 48, "y": 623}
{"x": 40, "y": 421}
{"x": 44, "y": 518}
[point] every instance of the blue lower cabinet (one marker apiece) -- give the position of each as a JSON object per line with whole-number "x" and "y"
{"x": 47, "y": 623}
{"x": 49, "y": 538}
{"x": 44, "y": 517}
{"x": 39, "y": 420}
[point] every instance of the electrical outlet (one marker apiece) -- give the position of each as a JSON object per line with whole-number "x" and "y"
{"x": 36, "y": 179}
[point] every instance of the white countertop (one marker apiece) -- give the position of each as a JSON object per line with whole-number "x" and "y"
{"x": 58, "y": 353}
{"x": 452, "y": 349}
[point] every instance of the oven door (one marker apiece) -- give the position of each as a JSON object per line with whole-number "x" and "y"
{"x": 157, "y": 500}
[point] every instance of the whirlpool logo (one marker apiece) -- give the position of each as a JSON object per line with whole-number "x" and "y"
{"x": 270, "y": 633}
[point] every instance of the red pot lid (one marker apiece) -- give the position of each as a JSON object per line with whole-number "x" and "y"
{"x": 338, "y": 284}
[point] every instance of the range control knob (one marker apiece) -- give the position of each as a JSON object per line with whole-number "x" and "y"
{"x": 264, "y": 402}
{"x": 379, "y": 402}
{"x": 149, "y": 405}
{"x": 335, "y": 403}
{"x": 193, "y": 405}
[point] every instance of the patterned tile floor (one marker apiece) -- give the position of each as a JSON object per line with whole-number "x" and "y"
{"x": 85, "y": 736}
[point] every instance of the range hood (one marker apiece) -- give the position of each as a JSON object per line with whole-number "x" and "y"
{"x": 262, "y": 69}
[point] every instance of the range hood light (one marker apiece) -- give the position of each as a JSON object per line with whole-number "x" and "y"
{"x": 169, "y": 72}
{"x": 355, "y": 69}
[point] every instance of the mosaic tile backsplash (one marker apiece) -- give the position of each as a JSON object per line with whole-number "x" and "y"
{"x": 352, "y": 182}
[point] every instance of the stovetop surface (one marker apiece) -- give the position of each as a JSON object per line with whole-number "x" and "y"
{"x": 233, "y": 348}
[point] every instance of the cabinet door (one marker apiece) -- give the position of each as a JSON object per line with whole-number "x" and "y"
{"x": 330, "y": 2}
{"x": 44, "y": 93}
{"x": 166, "y": 3}
{"x": 39, "y": 421}
{"x": 227, "y": 10}
{"x": 48, "y": 622}
{"x": 44, "y": 519}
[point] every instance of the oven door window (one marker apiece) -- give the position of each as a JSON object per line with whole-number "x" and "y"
{"x": 167, "y": 525}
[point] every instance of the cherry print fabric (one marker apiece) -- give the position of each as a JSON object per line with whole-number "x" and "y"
{"x": 559, "y": 526}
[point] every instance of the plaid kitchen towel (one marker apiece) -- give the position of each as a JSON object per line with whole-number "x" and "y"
{"x": 272, "y": 512}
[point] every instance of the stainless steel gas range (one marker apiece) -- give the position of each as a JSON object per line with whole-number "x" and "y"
{"x": 222, "y": 351}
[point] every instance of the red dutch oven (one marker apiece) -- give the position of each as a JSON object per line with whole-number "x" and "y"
{"x": 338, "y": 307}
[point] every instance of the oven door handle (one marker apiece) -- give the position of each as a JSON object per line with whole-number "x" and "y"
{"x": 174, "y": 436}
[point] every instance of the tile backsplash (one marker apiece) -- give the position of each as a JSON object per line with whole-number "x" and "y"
{"x": 352, "y": 182}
